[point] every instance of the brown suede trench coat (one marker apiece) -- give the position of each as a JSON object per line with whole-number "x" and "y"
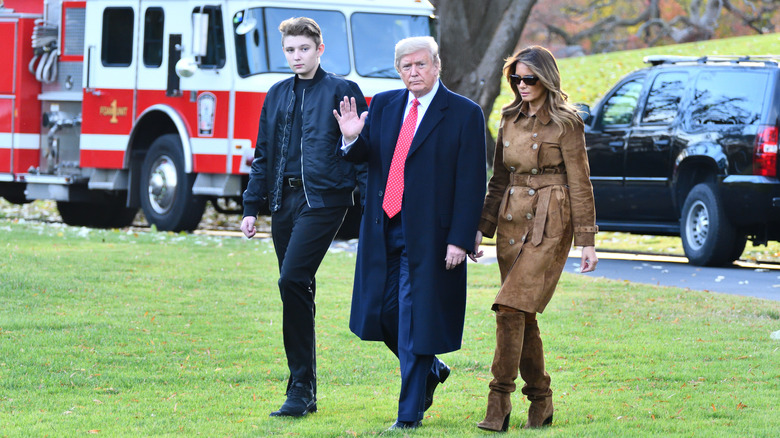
{"x": 539, "y": 196}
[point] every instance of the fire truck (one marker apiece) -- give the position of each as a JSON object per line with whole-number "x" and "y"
{"x": 108, "y": 106}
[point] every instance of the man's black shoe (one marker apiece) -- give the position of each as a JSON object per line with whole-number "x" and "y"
{"x": 405, "y": 425}
{"x": 300, "y": 401}
{"x": 433, "y": 381}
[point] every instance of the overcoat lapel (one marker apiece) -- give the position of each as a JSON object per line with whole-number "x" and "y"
{"x": 433, "y": 116}
{"x": 392, "y": 117}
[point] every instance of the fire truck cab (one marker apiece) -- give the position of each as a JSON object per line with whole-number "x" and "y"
{"x": 108, "y": 106}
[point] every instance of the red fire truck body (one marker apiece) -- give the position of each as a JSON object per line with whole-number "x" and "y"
{"x": 108, "y": 106}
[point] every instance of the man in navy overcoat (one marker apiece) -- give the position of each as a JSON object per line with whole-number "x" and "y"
{"x": 410, "y": 278}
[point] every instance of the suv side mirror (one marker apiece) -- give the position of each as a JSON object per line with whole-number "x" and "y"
{"x": 584, "y": 111}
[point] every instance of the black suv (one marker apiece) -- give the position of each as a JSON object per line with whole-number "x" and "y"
{"x": 688, "y": 147}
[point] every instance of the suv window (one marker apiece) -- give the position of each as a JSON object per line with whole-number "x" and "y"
{"x": 619, "y": 108}
{"x": 728, "y": 98}
{"x": 664, "y": 97}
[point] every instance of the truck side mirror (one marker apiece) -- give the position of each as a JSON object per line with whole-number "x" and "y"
{"x": 584, "y": 111}
{"x": 200, "y": 33}
{"x": 186, "y": 67}
{"x": 247, "y": 23}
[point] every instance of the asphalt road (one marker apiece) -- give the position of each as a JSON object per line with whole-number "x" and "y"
{"x": 760, "y": 280}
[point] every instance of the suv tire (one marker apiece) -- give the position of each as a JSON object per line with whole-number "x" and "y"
{"x": 707, "y": 237}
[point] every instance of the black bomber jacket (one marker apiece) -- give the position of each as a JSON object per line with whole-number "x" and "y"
{"x": 328, "y": 180}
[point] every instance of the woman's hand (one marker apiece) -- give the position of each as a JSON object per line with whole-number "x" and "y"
{"x": 477, "y": 253}
{"x": 589, "y": 259}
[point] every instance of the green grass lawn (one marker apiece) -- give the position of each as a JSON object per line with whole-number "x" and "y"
{"x": 122, "y": 333}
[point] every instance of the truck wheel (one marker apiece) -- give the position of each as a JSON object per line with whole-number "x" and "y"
{"x": 111, "y": 213}
{"x": 707, "y": 236}
{"x": 166, "y": 190}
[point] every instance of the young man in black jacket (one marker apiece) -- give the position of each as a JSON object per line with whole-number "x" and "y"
{"x": 308, "y": 188}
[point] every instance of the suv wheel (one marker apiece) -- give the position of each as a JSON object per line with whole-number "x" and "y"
{"x": 707, "y": 236}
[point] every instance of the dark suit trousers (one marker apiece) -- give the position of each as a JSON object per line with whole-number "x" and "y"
{"x": 397, "y": 326}
{"x": 301, "y": 237}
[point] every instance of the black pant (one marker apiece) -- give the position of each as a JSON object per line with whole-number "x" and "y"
{"x": 301, "y": 237}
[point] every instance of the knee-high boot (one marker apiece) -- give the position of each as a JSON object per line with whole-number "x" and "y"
{"x": 537, "y": 381}
{"x": 509, "y": 345}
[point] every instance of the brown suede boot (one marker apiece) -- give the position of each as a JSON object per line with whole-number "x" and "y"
{"x": 537, "y": 381}
{"x": 506, "y": 360}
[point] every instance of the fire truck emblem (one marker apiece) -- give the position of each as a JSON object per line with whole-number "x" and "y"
{"x": 206, "y": 105}
{"x": 113, "y": 111}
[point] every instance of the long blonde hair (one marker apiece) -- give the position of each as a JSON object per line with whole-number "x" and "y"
{"x": 542, "y": 64}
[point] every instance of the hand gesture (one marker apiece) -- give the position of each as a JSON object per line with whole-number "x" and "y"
{"x": 477, "y": 253}
{"x": 248, "y": 226}
{"x": 349, "y": 122}
{"x": 589, "y": 259}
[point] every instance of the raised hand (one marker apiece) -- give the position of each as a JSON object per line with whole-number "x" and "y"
{"x": 349, "y": 122}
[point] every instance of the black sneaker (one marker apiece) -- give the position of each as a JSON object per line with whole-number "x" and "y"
{"x": 300, "y": 401}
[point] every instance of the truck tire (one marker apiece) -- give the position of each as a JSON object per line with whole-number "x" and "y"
{"x": 166, "y": 190}
{"x": 111, "y": 213}
{"x": 707, "y": 236}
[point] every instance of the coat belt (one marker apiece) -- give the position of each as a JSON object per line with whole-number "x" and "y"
{"x": 543, "y": 184}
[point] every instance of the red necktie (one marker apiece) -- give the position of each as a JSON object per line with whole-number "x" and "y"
{"x": 394, "y": 192}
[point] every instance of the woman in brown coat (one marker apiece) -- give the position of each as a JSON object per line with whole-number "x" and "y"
{"x": 539, "y": 197}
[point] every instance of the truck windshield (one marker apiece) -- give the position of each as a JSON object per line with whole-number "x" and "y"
{"x": 258, "y": 46}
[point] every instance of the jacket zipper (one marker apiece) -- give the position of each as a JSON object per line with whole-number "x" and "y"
{"x": 303, "y": 177}
{"x": 280, "y": 171}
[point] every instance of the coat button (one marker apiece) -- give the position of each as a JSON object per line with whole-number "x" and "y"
{"x": 509, "y": 217}
{"x": 534, "y": 171}
{"x": 512, "y": 169}
{"x": 377, "y": 220}
{"x": 511, "y": 191}
{"x": 535, "y": 134}
{"x": 531, "y": 192}
{"x": 529, "y": 216}
{"x": 523, "y": 239}
{"x": 511, "y": 241}
{"x": 506, "y": 144}
{"x": 534, "y": 146}
{"x": 381, "y": 193}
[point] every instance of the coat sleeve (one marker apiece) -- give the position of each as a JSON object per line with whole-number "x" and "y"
{"x": 470, "y": 181}
{"x": 361, "y": 168}
{"x": 583, "y": 209}
{"x": 256, "y": 193}
{"x": 496, "y": 188}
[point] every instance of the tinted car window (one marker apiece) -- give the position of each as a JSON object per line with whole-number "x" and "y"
{"x": 251, "y": 51}
{"x": 619, "y": 108}
{"x": 664, "y": 97}
{"x": 117, "y": 48}
{"x": 334, "y": 35}
{"x": 215, "y": 43}
{"x": 728, "y": 98}
{"x": 153, "y": 37}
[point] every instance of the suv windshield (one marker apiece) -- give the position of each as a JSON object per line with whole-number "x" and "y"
{"x": 258, "y": 45}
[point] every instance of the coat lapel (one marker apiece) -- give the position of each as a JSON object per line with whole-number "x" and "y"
{"x": 433, "y": 116}
{"x": 392, "y": 118}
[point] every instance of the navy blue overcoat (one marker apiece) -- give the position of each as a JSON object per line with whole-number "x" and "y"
{"x": 444, "y": 189}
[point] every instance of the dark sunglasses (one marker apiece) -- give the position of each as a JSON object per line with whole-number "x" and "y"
{"x": 529, "y": 80}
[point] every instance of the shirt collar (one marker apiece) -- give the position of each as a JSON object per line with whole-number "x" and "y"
{"x": 426, "y": 100}
{"x": 542, "y": 114}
